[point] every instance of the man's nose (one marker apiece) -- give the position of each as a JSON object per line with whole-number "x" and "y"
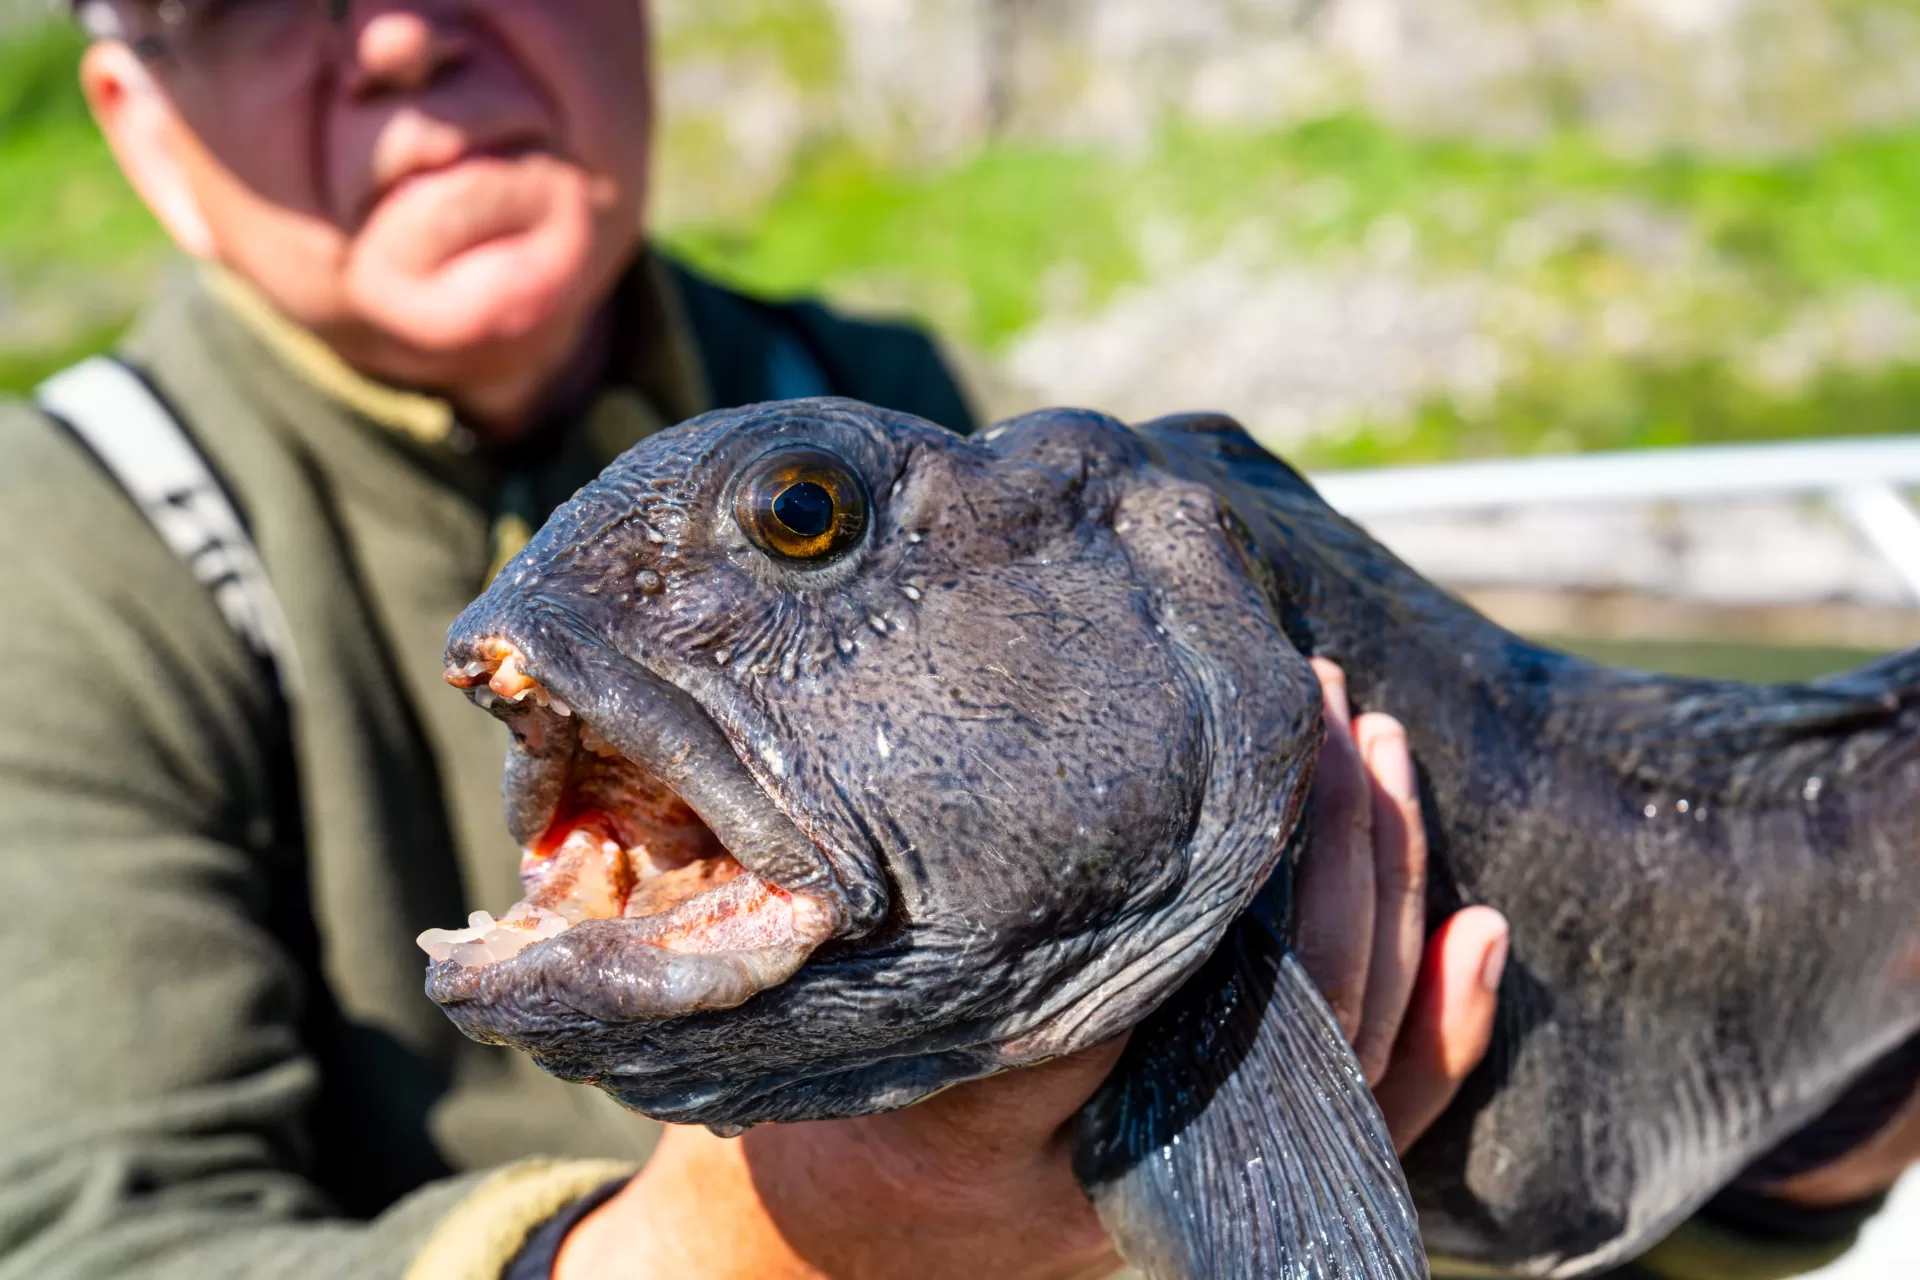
{"x": 402, "y": 50}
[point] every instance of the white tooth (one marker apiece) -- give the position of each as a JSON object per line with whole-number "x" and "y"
{"x": 880, "y": 741}
{"x": 561, "y": 708}
{"x": 522, "y": 695}
{"x": 475, "y": 668}
{"x": 911, "y": 593}
{"x": 505, "y": 944}
{"x": 471, "y": 955}
{"x": 547, "y": 924}
{"x": 488, "y": 941}
{"x": 878, "y": 624}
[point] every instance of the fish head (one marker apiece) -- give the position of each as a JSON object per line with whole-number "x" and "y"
{"x": 852, "y": 758}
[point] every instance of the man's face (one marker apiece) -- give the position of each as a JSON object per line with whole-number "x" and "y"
{"x": 425, "y": 180}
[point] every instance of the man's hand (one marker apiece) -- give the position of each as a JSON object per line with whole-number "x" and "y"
{"x": 976, "y": 1181}
{"x": 1419, "y": 1011}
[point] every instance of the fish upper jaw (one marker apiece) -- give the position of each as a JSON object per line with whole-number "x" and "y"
{"x": 661, "y": 879}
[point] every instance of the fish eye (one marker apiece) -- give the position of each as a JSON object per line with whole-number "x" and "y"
{"x": 801, "y": 505}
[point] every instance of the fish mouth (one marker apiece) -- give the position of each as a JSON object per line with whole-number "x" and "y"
{"x": 660, "y": 879}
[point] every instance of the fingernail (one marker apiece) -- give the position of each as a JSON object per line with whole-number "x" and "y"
{"x": 1333, "y": 690}
{"x": 1391, "y": 765}
{"x": 1494, "y": 965}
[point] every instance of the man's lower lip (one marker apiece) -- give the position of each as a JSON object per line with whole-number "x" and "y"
{"x": 455, "y": 168}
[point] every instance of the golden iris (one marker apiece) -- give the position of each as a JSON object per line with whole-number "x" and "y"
{"x": 802, "y": 504}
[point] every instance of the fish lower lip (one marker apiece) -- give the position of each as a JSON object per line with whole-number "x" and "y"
{"x": 630, "y": 982}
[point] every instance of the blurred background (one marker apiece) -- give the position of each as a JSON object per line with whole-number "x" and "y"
{"x": 1376, "y": 231}
{"x": 1379, "y": 232}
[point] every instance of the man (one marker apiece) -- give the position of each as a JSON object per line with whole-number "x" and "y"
{"x": 423, "y": 315}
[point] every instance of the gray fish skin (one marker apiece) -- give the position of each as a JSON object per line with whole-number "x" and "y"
{"x": 1714, "y": 888}
{"x": 1686, "y": 988}
{"x": 1042, "y": 724}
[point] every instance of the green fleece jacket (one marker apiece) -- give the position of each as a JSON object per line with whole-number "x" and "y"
{"x": 215, "y": 1055}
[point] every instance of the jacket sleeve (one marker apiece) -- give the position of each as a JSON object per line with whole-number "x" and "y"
{"x": 154, "y": 1088}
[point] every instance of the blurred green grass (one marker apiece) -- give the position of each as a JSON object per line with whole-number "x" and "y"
{"x": 986, "y": 245}
{"x": 996, "y": 226}
{"x": 1719, "y": 659}
{"x": 69, "y": 225}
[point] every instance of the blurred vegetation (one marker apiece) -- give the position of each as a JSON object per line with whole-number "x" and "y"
{"x": 1720, "y": 659}
{"x": 1707, "y": 257}
{"x": 76, "y": 248}
{"x": 993, "y": 229}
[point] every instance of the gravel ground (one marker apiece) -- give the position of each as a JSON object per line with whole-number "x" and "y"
{"x": 1291, "y": 353}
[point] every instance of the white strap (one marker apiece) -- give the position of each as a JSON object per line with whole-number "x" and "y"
{"x": 148, "y": 451}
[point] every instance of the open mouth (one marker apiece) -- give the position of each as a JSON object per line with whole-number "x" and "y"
{"x": 659, "y": 879}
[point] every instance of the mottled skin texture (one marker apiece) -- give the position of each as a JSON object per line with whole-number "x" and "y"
{"x": 1707, "y": 944}
{"x": 1042, "y": 720}
{"x": 1048, "y": 779}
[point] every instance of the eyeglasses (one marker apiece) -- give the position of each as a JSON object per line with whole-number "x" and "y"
{"x": 215, "y": 33}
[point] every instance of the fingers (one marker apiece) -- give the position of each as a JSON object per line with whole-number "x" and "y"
{"x": 1399, "y": 853}
{"x": 1013, "y": 1110}
{"x": 1334, "y": 884}
{"x": 1449, "y": 1022}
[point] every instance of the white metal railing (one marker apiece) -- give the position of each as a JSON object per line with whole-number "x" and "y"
{"x": 1862, "y": 478}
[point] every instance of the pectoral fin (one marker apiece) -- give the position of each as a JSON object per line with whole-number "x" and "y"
{"x": 1237, "y": 1137}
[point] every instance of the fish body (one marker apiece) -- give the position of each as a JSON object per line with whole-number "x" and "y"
{"x": 853, "y": 759}
{"x": 1714, "y": 888}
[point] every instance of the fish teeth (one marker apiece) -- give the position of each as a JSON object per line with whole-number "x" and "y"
{"x": 488, "y": 941}
{"x": 509, "y": 681}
